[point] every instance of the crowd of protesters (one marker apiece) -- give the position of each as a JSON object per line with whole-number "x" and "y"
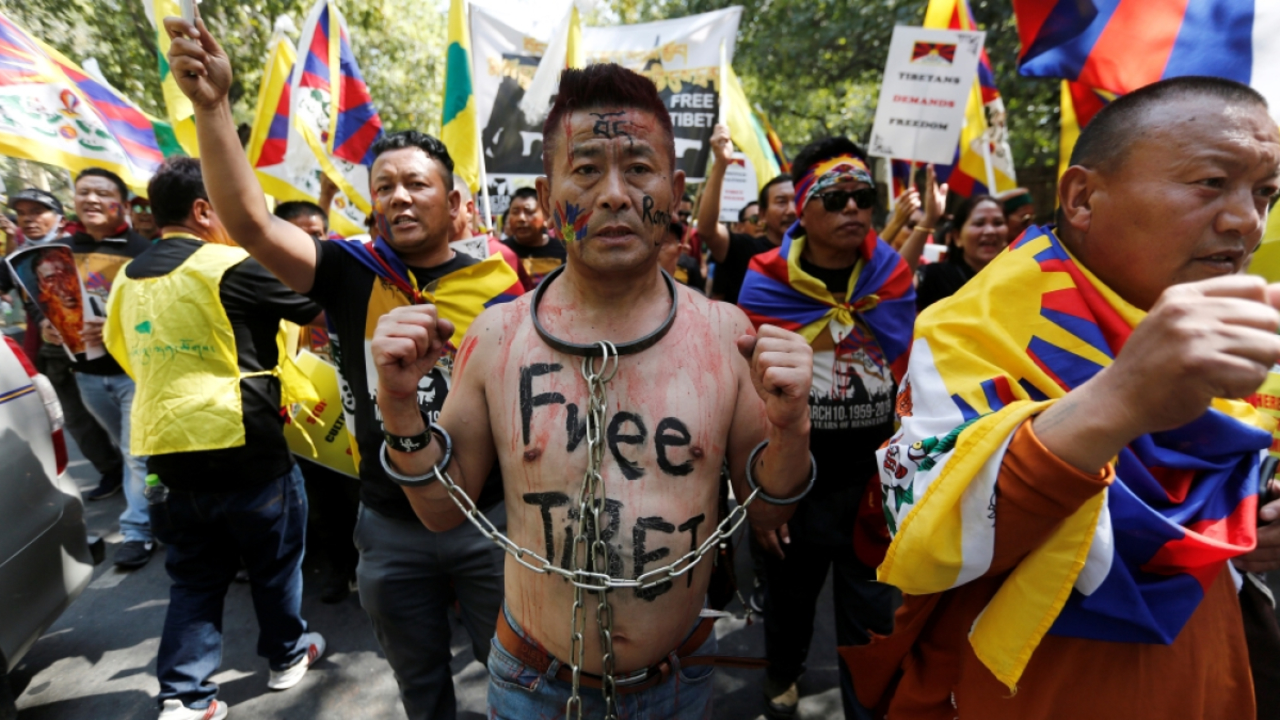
{"x": 844, "y": 372}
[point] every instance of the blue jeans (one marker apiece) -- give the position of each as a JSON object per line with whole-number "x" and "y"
{"x": 109, "y": 399}
{"x": 517, "y": 691}
{"x": 208, "y": 535}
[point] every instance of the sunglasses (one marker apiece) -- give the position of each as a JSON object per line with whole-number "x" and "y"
{"x": 753, "y": 219}
{"x": 142, "y": 209}
{"x": 834, "y": 201}
{"x": 684, "y": 214}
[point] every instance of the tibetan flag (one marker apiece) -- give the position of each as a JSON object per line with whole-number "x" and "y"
{"x": 881, "y": 294}
{"x": 1131, "y": 565}
{"x": 775, "y": 142}
{"x": 52, "y": 111}
{"x": 459, "y": 129}
{"x": 181, "y": 113}
{"x": 748, "y": 134}
{"x": 284, "y": 164}
{"x": 902, "y": 170}
{"x": 1121, "y": 45}
{"x": 1079, "y": 104}
{"x": 332, "y": 104}
{"x": 984, "y": 117}
{"x": 460, "y": 296}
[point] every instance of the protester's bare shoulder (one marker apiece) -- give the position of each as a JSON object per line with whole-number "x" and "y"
{"x": 490, "y": 333}
{"x": 727, "y": 321}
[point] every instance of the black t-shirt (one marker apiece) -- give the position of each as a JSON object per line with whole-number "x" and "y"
{"x": 353, "y": 299}
{"x": 940, "y": 280}
{"x": 850, "y": 415}
{"x": 538, "y": 261}
{"x": 733, "y": 270}
{"x": 255, "y": 302}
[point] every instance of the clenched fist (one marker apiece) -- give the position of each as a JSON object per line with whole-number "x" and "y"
{"x": 199, "y": 65}
{"x": 406, "y": 344}
{"x": 1203, "y": 340}
{"x": 782, "y": 371}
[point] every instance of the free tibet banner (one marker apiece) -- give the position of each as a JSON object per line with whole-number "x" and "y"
{"x": 681, "y": 56}
{"x": 927, "y": 81}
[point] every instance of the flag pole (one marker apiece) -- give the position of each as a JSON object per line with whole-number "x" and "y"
{"x": 888, "y": 177}
{"x": 484, "y": 175}
{"x": 986, "y": 161}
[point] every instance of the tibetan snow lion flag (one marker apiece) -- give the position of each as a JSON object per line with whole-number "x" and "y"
{"x": 461, "y": 295}
{"x": 984, "y": 117}
{"x": 332, "y": 105}
{"x": 779, "y": 292}
{"x": 52, "y": 111}
{"x": 1121, "y": 45}
{"x": 1131, "y": 565}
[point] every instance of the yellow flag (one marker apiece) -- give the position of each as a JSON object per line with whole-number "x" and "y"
{"x": 459, "y": 130}
{"x": 181, "y": 113}
{"x": 574, "y": 56}
{"x": 748, "y": 134}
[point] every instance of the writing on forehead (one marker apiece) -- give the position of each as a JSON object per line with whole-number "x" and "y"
{"x": 611, "y": 125}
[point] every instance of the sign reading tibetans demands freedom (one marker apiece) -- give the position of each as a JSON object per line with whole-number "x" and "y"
{"x": 927, "y": 81}
{"x": 681, "y": 56}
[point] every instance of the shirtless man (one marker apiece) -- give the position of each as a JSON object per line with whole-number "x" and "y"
{"x": 675, "y": 412}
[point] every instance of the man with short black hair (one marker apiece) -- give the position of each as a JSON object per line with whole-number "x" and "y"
{"x": 847, "y": 292}
{"x": 224, "y": 486}
{"x": 530, "y": 371}
{"x": 408, "y": 575}
{"x": 539, "y": 251}
{"x": 102, "y": 245}
{"x": 748, "y": 219}
{"x": 306, "y": 215}
{"x": 144, "y": 223}
{"x": 732, "y": 252}
{"x": 465, "y": 239}
{"x": 1072, "y": 482}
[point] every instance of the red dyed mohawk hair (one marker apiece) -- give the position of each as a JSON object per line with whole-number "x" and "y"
{"x": 598, "y": 86}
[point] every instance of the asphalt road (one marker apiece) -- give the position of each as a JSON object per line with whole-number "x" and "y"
{"x": 98, "y": 660}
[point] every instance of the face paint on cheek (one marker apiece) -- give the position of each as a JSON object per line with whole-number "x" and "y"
{"x": 571, "y": 221}
{"x": 381, "y": 225}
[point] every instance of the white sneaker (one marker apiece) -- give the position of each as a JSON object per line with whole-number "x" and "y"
{"x": 174, "y": 710}
{"x": 292, "y": 675}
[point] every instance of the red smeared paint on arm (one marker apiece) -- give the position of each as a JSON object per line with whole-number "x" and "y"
{"x": 464, "y": 354}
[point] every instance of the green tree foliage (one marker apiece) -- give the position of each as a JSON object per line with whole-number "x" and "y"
{"x": 814, "y": 66}
{"x": 398, "y": 43}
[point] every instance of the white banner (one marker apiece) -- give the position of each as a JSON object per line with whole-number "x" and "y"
{"x": 681, "y": 56}
{"x": 739, "y": 188}
{"x": 927, "y": 80}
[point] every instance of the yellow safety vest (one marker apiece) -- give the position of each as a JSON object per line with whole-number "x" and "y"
{"x": 172, "y": 336}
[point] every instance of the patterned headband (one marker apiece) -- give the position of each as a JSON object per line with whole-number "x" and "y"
{"x": 831, "y": 172}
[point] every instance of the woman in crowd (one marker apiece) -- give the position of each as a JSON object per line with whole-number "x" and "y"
{"x": 979, "y": 232}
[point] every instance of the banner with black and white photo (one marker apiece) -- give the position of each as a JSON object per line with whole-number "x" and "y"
{"x": 681, "y": 56}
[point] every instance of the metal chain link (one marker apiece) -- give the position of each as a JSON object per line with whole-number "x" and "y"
{"x": 588, "y": 569}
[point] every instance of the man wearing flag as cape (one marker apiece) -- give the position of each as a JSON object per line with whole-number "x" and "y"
{"x": 850, "y": 295}
{"x": 408, "y": 575}
{"x": 1069, "y": 487}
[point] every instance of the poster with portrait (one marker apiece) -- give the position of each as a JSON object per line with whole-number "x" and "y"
{"x": 47, "y": 273}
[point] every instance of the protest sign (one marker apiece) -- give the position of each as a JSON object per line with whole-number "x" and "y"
{"x": 681, "y": 56}
{"x": 927, "y": 81}
{"x": 48, "y": 275}
{"x": 739, "y": 188}
{"x": 319, "y": 432}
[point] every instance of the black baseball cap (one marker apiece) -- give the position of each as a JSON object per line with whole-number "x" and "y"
{"x": 37, "y": 195}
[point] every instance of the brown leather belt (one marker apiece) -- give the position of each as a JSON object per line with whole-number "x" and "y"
{"x": 538, "y": 659}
